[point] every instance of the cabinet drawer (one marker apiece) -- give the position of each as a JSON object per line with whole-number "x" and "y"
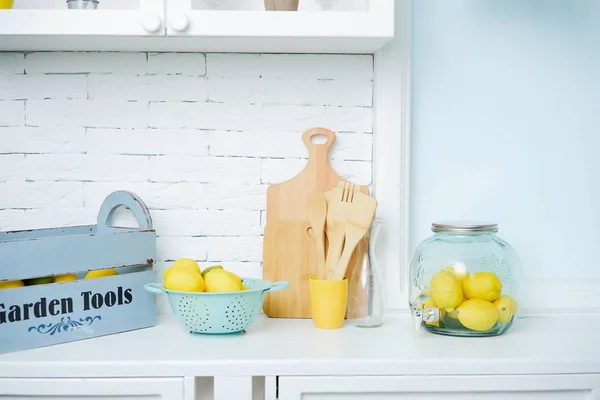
{"x": 501, "y": 387}
{"x": 97, "y": 389}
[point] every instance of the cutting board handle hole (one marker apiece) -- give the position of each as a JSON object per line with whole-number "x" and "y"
{"x": 319, "y": 139}
{"x": 310, "y": 232}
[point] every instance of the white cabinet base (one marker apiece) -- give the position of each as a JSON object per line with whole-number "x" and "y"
{"x": 502, "y": 387}
{"x": 96, "y": 389}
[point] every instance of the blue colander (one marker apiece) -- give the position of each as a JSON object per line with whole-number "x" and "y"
{"x": 219, "y": 312}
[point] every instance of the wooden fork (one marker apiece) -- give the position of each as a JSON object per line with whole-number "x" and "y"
{"x": 337, "y": 210}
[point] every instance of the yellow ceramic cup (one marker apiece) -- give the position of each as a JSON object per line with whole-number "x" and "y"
{"x": 328, "y": 299}
{"x": 5, "y": 4}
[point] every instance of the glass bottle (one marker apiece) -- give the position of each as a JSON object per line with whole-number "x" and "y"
{"x": 366, "y": 297}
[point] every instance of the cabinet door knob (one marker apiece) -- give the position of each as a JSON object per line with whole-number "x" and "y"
{"x": 178, "y": 21}
{"x": 151, "y": 22}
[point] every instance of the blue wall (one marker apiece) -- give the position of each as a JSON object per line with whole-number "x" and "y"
{"x": 506, "y": 126}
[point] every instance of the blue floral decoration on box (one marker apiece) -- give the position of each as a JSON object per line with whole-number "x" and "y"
{"x": 65, "y": 324}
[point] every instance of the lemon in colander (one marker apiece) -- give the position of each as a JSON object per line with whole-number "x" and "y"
{"x": 220, "y": 280}
{"x": 184, "y": 280}
{"x": 208, "y": 269}
{"x": 184, "y": 263}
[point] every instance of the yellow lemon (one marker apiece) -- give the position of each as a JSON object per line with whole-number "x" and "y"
{"x": 446, "y": 290}
{"x": 235, "y": 275}
{"x": 507, "y": 307}
{"x": 6, "y": 4}
{"x": 452, "y": 314}
{"x": 100, "y": 273}
{"x": 460, "y": 272}
{"x": 183, "y": 264}
{"x": 478, "y": 315}
{"x": 427, "y": 303}
{"x": 186, "y": 263}
{"x": 482, "y": 285}
{"x": 65, "y": 278}
{"x": 184, "y": 280}
{"x": 208, "y": 269}
{"x": 220, "y": 280}
{"x": 11, "y": 284}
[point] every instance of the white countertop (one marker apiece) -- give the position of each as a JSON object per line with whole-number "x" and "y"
{"x": 295, "y": 347}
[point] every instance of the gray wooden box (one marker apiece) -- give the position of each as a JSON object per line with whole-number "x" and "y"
{"x": 47, "y": 314}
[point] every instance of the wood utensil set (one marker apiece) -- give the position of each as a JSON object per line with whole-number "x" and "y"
{"x": 348, "y": 214}
{"x": 313, "y": 222}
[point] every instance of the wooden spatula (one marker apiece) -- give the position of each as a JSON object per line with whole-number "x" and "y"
{"x": 358, "y": 219}
{"x": 336, "y": 219}
{"x": 317, "y": 212}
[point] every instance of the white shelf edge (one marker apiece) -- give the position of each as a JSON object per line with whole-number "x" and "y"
{"x": 191, "y": 44}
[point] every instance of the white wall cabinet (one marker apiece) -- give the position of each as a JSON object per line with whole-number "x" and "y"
{"x": 55, "y": 19}
{"x": 502, "y": 387}
{"x": 177, "y": 25}
{"x": 96, "y": 389}
{"x": 303, "y": 31}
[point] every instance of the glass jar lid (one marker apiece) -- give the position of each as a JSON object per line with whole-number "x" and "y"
{"x": 463, "y": 227}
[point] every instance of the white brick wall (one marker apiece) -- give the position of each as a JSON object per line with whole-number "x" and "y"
{"x": 198, "y": 137}
{"x": 148, "y": 87}
{"x": 12, "y": 113}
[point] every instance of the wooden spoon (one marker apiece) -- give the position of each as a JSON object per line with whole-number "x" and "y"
{"x": 317, "y": 212}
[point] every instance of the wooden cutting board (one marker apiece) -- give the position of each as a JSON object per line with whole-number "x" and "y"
{"x": 289, "y": 251}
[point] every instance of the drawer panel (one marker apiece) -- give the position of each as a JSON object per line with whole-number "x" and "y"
{"x": 89, "y": 397}
{"x": 96, "y": 389}
{"x": 563, "y": 395}
{"x": 501, "y": 387}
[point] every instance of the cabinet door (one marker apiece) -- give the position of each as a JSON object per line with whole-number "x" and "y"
{"x": 96, "y": 389}
{"x": 50, "y": 19}
{"x": 236, "y": 25}
{"x": 518, "y": 387}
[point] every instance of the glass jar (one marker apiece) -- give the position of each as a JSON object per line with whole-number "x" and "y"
{"x": 366, "y": 295}
{"x": 82, "y": 4}
{"x": 463, "y": 281}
